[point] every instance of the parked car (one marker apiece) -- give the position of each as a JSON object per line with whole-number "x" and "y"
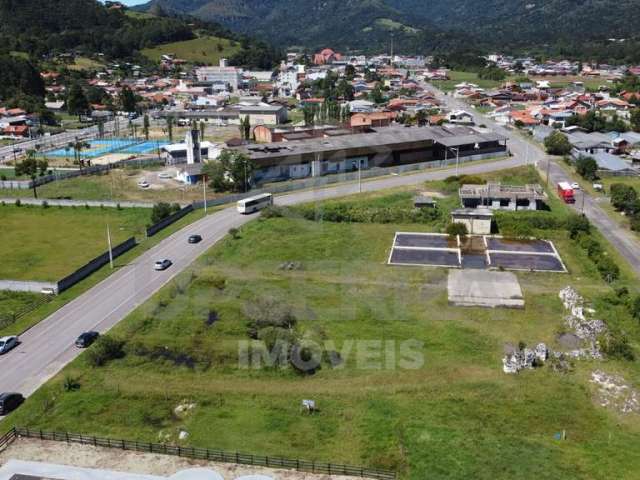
{"x": 143, "y": 184}
{"x": 7, "y": 343}
{"x": 9, "y": 401}
{"x": 598, "y": 187}
{"x": 165, "y": 175}
{"x": 575, "y": 186}
{"x": 195, "y": 239}
{"x": 86, "y": 339}
{"x": 162, "y": 264}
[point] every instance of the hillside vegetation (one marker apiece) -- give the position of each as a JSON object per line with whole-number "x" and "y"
{"x": 571, "y": 27}
{"x": 206, "y": 50}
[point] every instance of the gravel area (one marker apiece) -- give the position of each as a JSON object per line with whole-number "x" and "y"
{"x": 86, "y": 456}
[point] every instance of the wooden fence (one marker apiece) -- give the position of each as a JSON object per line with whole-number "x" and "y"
{"x": 205, "y": 454}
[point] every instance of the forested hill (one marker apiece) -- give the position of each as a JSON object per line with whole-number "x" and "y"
{"x": 573, "y": 26}
{"x": 42, "y": 27}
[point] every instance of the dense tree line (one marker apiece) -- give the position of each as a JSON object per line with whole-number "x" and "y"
{"x": 18, "y": 77}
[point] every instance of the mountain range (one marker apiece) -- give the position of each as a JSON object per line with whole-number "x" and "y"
{"x": 367, "y": 25}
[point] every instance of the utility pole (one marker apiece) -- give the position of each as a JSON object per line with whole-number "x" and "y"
{"x": 359, "y": 175}
{"x": 204, "y": 192}
{"x": 110, "y": 250}
{"x": 548, "y": 168}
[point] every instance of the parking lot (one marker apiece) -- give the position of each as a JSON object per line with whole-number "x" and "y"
{"x": 484, "y": 252}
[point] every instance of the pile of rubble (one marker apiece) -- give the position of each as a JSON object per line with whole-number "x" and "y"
{"x": 586, "y": 330}
{"x": 526, "y": 358}
{"x": 613, "y": 392}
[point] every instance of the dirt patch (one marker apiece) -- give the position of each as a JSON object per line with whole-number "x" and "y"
{"x": 86, "y": 456}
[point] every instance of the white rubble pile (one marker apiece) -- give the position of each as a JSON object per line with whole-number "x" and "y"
{"x": 524, "y": 359}
{"x": 184, "y": 408}
{"x": 586, "y": 329}
{"x": 614, "y": 392}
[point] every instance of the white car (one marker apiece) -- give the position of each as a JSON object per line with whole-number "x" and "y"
{"x": 575, "y": 186}
{"x": 165, "y": 175}
{"x": 598, "y": 187}
{"x": 7, "y": 343}
{"x": 162, "y": 264}
{"x": 143, "y": 184}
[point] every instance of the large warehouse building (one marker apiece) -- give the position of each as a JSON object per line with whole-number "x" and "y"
{"x": 384, "y": 147}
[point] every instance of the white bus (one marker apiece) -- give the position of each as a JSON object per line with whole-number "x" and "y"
{"x": 253, "y": 204}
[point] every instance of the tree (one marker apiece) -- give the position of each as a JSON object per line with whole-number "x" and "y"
{"x": 162, "y": 210}
{"x": 455, "y": 229}
{"x": 30, "y": 167}
{"x": 145, "y": 126}
{"x": 170, "y": 128}
{"x": 622, "y": 196}
{"x": 77, "y": 102}
{"x": 635, "y": 119}
{"x": 231, "y": 172}
{"x": 376, "y": 95}
{"x": 309, "y": 112}
{"x": 345, "y": 90}
{"x": 587, "y": 168}
{"x": 203, "y": 128}
{"x": 557, "y": 144}
{"x": 127, "y": 100}
{"x": 349, "y": 72}
{"x": 245, "y": 128}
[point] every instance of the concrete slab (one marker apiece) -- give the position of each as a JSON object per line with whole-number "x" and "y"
{"x": 481, "y": 288}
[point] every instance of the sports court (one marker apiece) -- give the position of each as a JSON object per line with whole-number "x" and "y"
{"x": 475, "y": 252}
{"x": 100, "y": 147}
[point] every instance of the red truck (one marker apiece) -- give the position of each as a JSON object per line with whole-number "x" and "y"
{"x": 566, "y": 192}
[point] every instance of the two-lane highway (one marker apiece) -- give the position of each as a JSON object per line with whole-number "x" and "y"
{"x": 48, "y": 347}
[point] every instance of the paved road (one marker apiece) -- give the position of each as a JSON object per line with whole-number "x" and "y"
{"x": 48, "y": 347}
{"x": 618, "y": 235}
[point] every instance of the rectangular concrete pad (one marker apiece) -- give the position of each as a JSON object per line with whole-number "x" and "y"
{"x": 442, "y": 258}
{"x": 425, "y": 241}
{"x": 516, "y": 261}
{"x": 482, "y": 288}
{"x": 534, "y": 246}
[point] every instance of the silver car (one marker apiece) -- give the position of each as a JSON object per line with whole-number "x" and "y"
{"x": 162, "y": 264}
{"x": 7, "y": 343}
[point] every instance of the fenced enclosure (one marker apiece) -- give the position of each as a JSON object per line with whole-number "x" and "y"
{"x": 212, "y": 455}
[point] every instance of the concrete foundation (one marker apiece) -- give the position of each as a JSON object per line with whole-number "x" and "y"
{"x": 481, "y": 288}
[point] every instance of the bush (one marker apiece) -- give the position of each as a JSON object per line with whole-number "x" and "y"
{"x": 634, "y": 307}
{"x": 455, "y": 228}
{"x": 608, "y": 269}
{"x": 577, "y": 224}
{"x": 18, "y": 202}
{"x": 587, "y": 168}
{"x": 616, "y": 345}
{"x": 45, "y": 204}
{"x": 622, "y": 196}
{"x": 235, "y": 233}
{"x": 104, "y": 350}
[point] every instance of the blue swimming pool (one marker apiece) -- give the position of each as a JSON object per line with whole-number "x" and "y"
{"x": 99, "y": 147}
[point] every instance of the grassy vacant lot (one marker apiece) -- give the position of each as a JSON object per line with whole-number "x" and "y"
{"x": 117, "y": 185}
{"x": 456, "y": 77}
{"x": 206, "y": 50}
{"x": 48, "y": 243}
{"x": 455, "y": 416}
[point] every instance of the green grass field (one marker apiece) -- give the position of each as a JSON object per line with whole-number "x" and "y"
{"x": 206, "y": 50}
{"x": 457, "y": 416}
{"x": 456, "y": 77}
{"x": 46, "y": 244}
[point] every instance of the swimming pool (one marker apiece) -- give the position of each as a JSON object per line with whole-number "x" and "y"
{"x": 99, "y": 147}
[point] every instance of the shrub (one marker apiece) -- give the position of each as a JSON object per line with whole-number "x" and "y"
{"x": 622, "y": 196}
{"x": 45, "y": 204}
{"x": 70, "y": 384}
{"x": 577, "y": 224}
{"x": 455, "y": 228}
{"x": 587, "y": 168}
{"x": 616, "y": 345}
{"x": 235, "y": 233}
{"x": 18, "y": 202}
{"x": 104, "y": 350}
{"x": 634, "y": 307}
{"x": 608, "y": 269}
